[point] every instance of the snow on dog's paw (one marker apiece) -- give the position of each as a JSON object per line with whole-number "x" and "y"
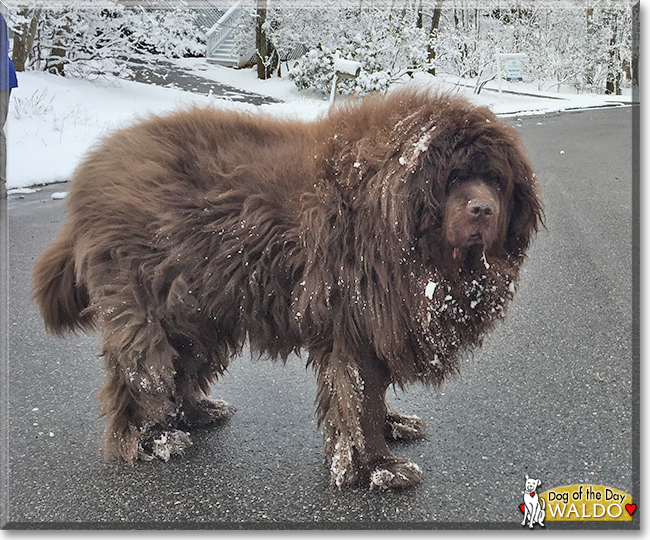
{"x": 208, "y": 411}
{"x": 342, "y": 469}
{"x": 395, "y": 473}
{"x": 163, "y": 444}
{"x": 401, "y": 427}
{"x": 380, "y": 478}
{"x": 171, "y": 443}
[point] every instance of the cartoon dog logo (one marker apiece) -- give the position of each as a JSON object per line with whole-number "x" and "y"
{"x": 534, "y": 511}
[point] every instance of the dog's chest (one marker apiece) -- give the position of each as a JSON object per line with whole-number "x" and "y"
{"x": 455, "y": 314}
{"x": 467, "y": 301}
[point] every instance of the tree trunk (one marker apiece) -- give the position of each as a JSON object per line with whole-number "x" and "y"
{"x": 56, "y": 60}
{"x": 613, "y": 84}
{"x": 433, "y": 33}
{"x": 24, "y": 39}
{"x": 590, "y": 38}
{"x": 261, "y": 41}
{"x": 634, "y": 67}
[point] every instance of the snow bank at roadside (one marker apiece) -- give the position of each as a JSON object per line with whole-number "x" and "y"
{"x": 53, "y": 121}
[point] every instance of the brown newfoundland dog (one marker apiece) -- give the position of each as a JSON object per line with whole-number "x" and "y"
{"x": 385, "y": 239}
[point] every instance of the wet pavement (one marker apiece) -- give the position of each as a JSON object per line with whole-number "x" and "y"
{"x": 551, "y": 393}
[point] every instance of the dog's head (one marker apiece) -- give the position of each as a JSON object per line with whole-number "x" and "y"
{"x": 472, "y": 218}
{"x": 425, "y": 197}
{"x": 439, "y": 170}
{"x": 532, "y": 484}
{"x": 479, "y": 182}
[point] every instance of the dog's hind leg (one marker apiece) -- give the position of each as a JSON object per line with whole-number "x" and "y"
{"x": 352, "y": 412}
{"x": 203, "y": 355}
{"x": 201, "y": 361}
{"x": 139, "y": 397}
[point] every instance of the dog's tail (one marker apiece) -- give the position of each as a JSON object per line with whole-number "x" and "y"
{"x": 60, "y": 299}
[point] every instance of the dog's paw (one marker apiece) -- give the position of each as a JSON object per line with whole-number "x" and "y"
{"x": 395, "y": 473}
{"x": 401, "y": 427}
{"x": 162, "y": 444}
{"x": 206, "y": 412}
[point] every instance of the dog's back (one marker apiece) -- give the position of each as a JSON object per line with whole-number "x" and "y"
{"x": 158, "y": 186}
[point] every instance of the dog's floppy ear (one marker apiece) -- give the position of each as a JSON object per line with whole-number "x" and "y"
{"x": 526, "y": 214}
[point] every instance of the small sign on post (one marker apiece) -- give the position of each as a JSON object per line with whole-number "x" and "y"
{"x": 513, "y": 68}
{"x": 343, "y": 69}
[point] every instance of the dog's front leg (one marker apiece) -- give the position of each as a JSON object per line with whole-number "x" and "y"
{"x": 352, "y": 412}
{"x": 527, "y": 515}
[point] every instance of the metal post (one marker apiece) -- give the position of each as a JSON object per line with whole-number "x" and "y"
{"x": 499, "y": 75}
{"x": 335, "y": 83}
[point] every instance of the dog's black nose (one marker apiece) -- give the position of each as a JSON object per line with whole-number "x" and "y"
{"x": 480, "y": 209}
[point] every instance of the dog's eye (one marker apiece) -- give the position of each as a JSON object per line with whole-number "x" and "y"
{"x": 495, "y": 183}
{"x": 452, "y": 183}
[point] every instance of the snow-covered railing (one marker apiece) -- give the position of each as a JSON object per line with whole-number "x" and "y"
{"x": 222, "y": 29}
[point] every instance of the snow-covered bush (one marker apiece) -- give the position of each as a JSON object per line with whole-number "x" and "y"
{"x": 316, "y": 70}
{"x": 574, "y": 45}
{"x": 386, "y": 46}
{"x": 80, "y": 42}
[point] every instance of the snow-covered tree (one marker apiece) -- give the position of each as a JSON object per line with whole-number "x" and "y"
{"x": 584, "y": 43}
{"x": 92, "y": 41}
{"x": 573, "y": 43}
{"x": 24, "y": 24}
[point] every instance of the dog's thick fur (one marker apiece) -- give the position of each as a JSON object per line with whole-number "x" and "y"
{"x": 385, "y": 239}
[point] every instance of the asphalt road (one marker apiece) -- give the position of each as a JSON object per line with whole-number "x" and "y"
{"x": 550, "y": 394}
{"x": 169, "y": 75}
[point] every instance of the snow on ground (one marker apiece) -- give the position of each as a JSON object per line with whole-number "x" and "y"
{"x": 526, "y": 99}
{"x": 53, "y": 121}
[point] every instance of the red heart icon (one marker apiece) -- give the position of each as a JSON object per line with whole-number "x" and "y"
{"x": 522, "y": 507}
{"x": 630, "y": 508}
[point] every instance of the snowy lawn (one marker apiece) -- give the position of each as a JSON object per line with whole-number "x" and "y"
{"x": 53, "y": 121}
